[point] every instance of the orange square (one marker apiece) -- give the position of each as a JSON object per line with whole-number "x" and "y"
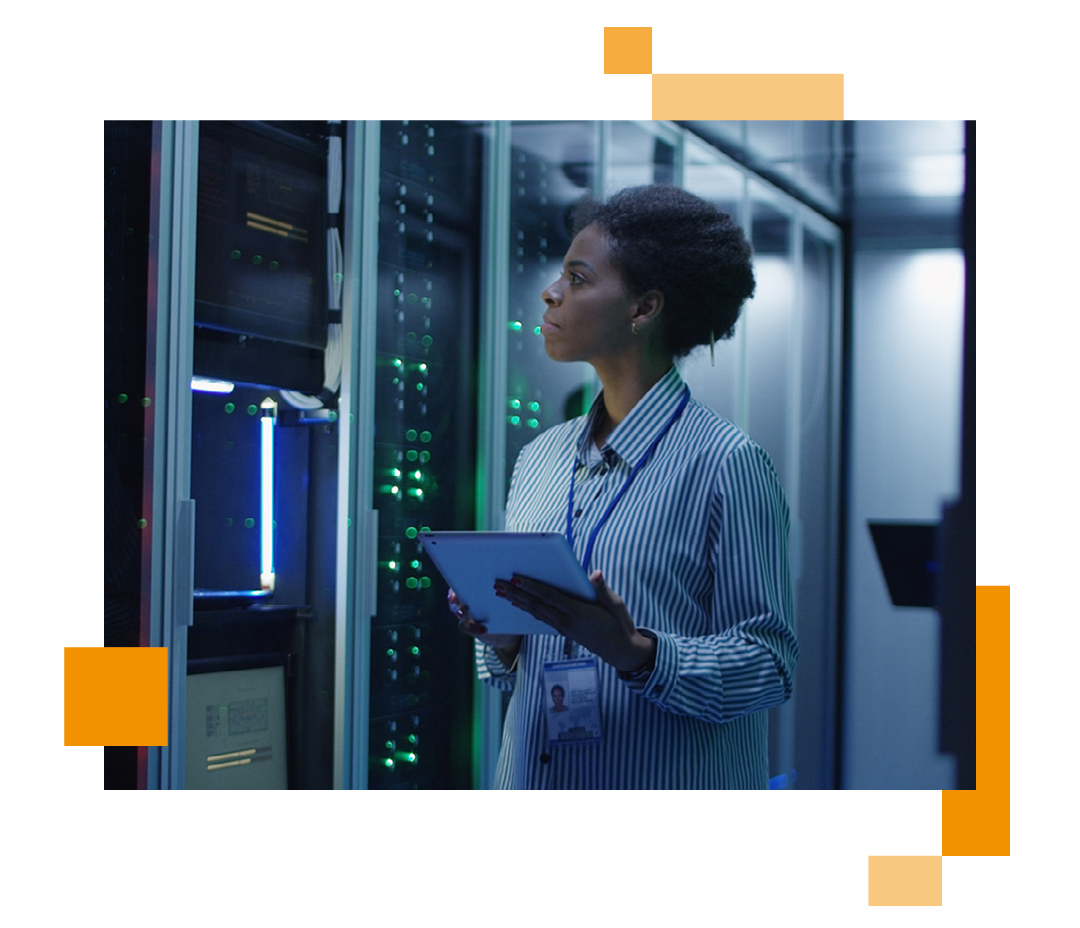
{"x": 628, "y": 49}
{"x": 116, "y": 696}
{"x": 905, "y": 881}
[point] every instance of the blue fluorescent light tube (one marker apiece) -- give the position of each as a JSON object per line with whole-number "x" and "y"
{"x": 269, "y": 420}
{"x": 211, "y": 386}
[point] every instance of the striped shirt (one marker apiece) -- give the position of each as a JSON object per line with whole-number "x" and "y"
{"x": 697, "y": 548}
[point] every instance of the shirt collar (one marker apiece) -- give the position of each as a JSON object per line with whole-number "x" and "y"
{"x": 631, "y": 437}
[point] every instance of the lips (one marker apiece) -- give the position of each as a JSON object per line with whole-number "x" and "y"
{"x": 547, "y": 326}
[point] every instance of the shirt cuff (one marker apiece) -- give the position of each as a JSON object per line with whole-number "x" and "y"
{"x": 638, "y": 678}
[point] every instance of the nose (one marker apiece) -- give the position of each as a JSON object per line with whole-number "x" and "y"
{"x": 552, "y": 295}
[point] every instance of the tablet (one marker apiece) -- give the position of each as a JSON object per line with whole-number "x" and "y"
{"x": 471, "y": 562}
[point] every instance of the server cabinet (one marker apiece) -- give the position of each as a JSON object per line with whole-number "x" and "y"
{"x": 429, "y": 209}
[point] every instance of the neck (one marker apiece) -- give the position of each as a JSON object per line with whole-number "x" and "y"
{"x": 624, "y": 386}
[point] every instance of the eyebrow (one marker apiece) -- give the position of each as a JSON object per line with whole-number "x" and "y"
{"x": 577, "y": 262}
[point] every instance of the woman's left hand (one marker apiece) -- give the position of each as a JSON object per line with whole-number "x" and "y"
{"x": 604, "y": 627}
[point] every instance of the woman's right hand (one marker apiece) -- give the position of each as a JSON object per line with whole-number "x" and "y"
{"x": 469, "y": 626}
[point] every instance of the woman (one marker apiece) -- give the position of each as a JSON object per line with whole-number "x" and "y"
{"x": 664, "y": 502}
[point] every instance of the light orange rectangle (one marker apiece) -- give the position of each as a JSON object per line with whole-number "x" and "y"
{"x": 905, "y": 881}
{"x": 748, "y": 96}
{"x": 116, "y": 696}
{"x": 975, "y": 823}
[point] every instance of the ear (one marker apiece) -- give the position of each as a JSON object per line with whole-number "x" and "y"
{"x": 649, "y": 305}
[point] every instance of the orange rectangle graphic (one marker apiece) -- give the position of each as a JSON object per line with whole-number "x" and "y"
{"x": 116, "y": 696}
{"x": 905, "y": 881}
{"x": 748, "y": 96}
{"x": 975, "y": 823}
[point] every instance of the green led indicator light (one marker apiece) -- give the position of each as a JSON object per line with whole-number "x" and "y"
{"x": 417, "y": 475}
{"x": 425, "y": 582}
{"x": 415, "y": 650}
{"x": 142, "y": 523}
{"x": 412, "y": 739}
{"x": 410, "y": 435}
{"x": 410, "y": 532}
{"x": 274, "y": 265}
{"x": 257, "y": 259}
{"x": 532, "y": 423}
{"x": 515, "y": 404}
{"x": 534, "y": 406}
{"x": 425, "y": 436}
{"x": 390, "y": 745}
{"x": 236, "y": 256}
{"x": 415, "y": 565}
{"x": 339, "y": 278}
{"x": 412, "y": 583}
{"x": 389, "y": 762}
{"x": 252, "y": 409}
{"x": 390, "y": 652}
{"x": 515, "y": 420}
{"x": 397, "y": 291}
{"x": 420, "y": 387}
{"x": 146, "y": 402}
{"x": 230, "y": 408}
{"x": 398, "y": 362}
{"x": 411, "y": 454}
{"x": 423, "y": 367}
{"x": 426, "y": 341}
{"x": 425, "y": 456}
{"x": 249, "y": 523}
{"x": 536, "y": 331}
{"x": 123, "y": 397}
{"x": 515, "y": 326}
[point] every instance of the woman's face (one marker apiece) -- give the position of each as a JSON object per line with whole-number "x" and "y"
{"x": 589, "y": 308}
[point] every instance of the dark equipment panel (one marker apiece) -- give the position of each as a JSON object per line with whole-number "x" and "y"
{"x": 425, "y": 438}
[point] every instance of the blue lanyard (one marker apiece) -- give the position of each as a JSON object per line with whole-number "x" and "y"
{"x": 626, "y": 486}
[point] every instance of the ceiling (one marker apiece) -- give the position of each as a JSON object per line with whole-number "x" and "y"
{"x": 895, "y": 182}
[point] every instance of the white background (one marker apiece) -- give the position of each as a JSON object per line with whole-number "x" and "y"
{"x": 627, "y": 857}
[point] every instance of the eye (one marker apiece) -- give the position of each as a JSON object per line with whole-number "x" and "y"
{"x": 575, "y": 278}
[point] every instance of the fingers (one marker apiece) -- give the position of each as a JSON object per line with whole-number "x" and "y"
{"x": 466, "y": 623}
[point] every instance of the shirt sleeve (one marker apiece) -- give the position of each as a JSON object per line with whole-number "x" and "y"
{"x": 749, "y": 664}
{"x": 493, "y": 671}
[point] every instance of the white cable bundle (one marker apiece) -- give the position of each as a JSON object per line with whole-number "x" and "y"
{"x": 334, "y": 176}
{"x": 335, "y": 259}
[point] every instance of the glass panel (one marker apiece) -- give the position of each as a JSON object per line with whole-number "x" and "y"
{"x": 717, "y": 386}
{"x": 817, "y": 166}
{"x": 815, "y": 521}
{"x": 768, "y": 325}
{"x": 638, "y": 156}
{"x": 552, "y": 166}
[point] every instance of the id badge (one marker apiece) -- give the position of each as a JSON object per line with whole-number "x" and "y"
{"x": 572, "y": 701}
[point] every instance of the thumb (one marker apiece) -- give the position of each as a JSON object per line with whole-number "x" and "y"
{"x": 603, "y": 591}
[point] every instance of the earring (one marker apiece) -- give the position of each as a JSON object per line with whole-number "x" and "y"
{"x": 633, "y": 328}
